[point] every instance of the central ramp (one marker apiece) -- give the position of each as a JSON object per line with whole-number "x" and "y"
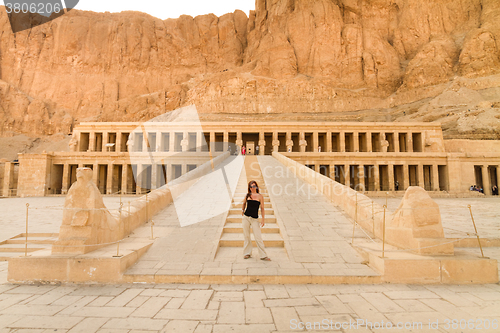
{"x": 307, "y": 238}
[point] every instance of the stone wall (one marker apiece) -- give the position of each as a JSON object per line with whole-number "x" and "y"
{"x": 34, "y": 175}
{"x": 472, "y": 146}
{"x": 132, "y": 216}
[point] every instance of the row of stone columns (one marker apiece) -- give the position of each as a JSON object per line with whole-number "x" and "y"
{"x": 262, "y": 142}
{"x": 105, "y": 140}
{"x": 486, "y": 178}
{"x": 390, "y": 174}
{"x": 124, "y": 176}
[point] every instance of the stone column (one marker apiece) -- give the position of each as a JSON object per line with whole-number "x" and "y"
{"x": 420, "y": 171}
{"x": 332, "y": 171}
{"x": 361, "y": 178}
{"x": 262, "y": 143}
{"x": 226, "y": 141}
{"x": 409, "y": 142}
{"x": 105, "y": 140}
{"x": 289, "y": 142}
{"x": 328, "y": 142}
{"x": 212, "y": 142}
{"x": 185, "y": 142}
{"x": 390, "y": 167}
{"x": 406, "y": 176}
{"x": 302, "y": 142}
{"x": 315, "y": 142}
{"x": 171, "y": 143}
{"x": 376, "y": 177}
{"x": 138, "y": 179}
{"x": 498, "y": 175}
{"x": 169, "y": 172}
{"x": 355, "y": 139}
{"x": 145, "y": 142}
{"x": 342, "y": 141}
{"x": 159, "y": 141}
{"x": 369, "y": 142}
{"x": 435, "y": 177}
{"x": 95, "y": 174}
{"x": 276, "y": 142}
{"x": 395, "y": 135}
{"x": 130, "y": 143}
{"x": 91, "y": 141}
{"x": 383, "y": 143}
{"x": 65, "y": 179}
{"x": 486, "y": 180}
{"x": 118, "y": 144}
{"x": 199, "y": 141}
{"x": 347, "y": 175}
{"x": 183, "y": 169}
{"x": 109, "y": 179}
{"x": 154, "y": 176}
{"x": 124, "y": 178}
{"x": 239, "y": 141}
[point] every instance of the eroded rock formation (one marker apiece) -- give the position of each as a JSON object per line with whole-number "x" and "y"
{"x": 344, "y": 59}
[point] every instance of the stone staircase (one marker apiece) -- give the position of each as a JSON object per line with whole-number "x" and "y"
{"x": 232, "y": 234}
{"x": 15, "y": 246}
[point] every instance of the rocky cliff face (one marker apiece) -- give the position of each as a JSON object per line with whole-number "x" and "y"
{"x": 342, "y": 59}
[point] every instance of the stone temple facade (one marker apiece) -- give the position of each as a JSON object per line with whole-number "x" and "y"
{"x": 131, "y": 158}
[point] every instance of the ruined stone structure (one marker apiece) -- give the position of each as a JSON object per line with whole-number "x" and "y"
{"x": 369, "y": 157}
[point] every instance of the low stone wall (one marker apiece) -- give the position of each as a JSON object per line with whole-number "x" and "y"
{"x": 86, "y": 229}
{"x": 369, "y": 215}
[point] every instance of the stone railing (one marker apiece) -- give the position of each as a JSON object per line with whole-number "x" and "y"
{"x": 160, "y": 198}
{"x": 368, "y": 214}
{"x": 85, "y": 229}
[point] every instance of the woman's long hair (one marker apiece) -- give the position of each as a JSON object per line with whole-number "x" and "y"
{"x": 249, "y": 194}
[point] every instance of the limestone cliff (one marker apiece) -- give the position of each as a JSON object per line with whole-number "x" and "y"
{"x": 301, "y": 59}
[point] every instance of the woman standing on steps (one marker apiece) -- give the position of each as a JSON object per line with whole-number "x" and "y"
{"x": 250, "y": 213}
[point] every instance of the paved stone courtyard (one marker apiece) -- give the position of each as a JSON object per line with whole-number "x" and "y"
{"x": 247, "y": 308}
{"x": 312, "y": 228}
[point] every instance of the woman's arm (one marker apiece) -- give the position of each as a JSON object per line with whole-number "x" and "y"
{"x": 244, "y": 205}
{"x": 261, "y": 199}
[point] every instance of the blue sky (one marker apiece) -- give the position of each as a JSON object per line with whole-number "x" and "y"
{"x": 167, "y": 8}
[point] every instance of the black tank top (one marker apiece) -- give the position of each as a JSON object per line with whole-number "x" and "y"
{"x": 252, "y": 208}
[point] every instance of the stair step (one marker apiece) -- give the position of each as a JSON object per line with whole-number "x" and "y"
{"x": 237, "y": 218}
{"x": 38, "y": 240}
{"x": 236, "y": 240}
{"x": 233, "y": 227}
{"x": 18, "y": 250}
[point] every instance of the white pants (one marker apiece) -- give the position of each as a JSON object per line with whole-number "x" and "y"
{"x": 247, "y": 245}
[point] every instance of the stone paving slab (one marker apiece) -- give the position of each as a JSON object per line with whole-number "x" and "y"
{"x": 243, "y": 308}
